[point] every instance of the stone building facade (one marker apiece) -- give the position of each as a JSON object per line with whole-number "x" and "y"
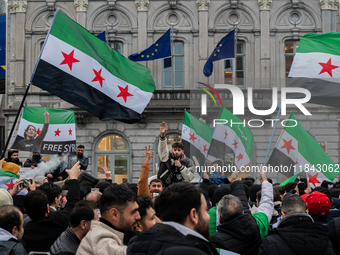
{"x": 268, "y": 33}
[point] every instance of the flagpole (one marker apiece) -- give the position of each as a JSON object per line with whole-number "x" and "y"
{"x": 172, "y": 58}
{"x": 235, "y": 54}
{"x": 16, "y": 119}
{"x": 271, "y": 139}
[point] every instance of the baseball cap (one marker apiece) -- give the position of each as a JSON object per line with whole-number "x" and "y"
{"x": 318, "y": 203}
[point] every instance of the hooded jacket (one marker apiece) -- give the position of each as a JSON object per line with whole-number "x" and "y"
{"x": 297, "y": 234}
{"x": 162, "y": 236}
{"x": 10, "y": 244}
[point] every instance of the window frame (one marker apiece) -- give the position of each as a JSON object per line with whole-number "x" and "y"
{"x": 173, "y": 62}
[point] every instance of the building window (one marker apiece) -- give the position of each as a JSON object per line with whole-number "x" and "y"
{"x": 173, "y": 76}
{"x": 118, "y": 46}
{"x": 240, "y": 66}
{"x": 170, "y": 140}
{"x": 113, "y": 151}
{"x": 290, "y": 50}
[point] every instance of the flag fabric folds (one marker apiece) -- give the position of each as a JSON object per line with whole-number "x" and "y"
{"x": 102, "y": 36}
{"x": 7, "y": 181}
{"x": 160, "y": 49}
{"x": 316, "y": 67}
{"x": 231, "y": 136}
{"x": 196, "y": 137}
{"x": 59, "y": 135}
{"x": 81, "y": 69}
{"x": 224, "y": 49}
{"x": 2, "y": 46}
{"x": 297, "y": 151}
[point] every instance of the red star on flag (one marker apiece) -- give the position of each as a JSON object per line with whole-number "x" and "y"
{"x": 70, "y": 131}
{"x": 205, "y": 148}
{"x": 99, "y": 77}
{"x": 296, "y": 162}
{"x": 327, "y": 67}
{"x": 10, "y": 185}
{"x": 225, "y": 134}
{"x": 288, "y": 145}
{"x": 192, "y": 137}
{"x": 235, "y": 143}
{"x": 124, "y": 93}
{"x": 313, "y": 179}
{"x": 69, "y": 59}
{"x": 239, "y": 157}
{"x": 57, "y": 133}
{"x": 38, "y": 131}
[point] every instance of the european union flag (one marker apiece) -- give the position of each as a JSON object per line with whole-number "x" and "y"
{"x": 224, "y": 49}
{"x": 160, "y": 49}
{"x": 2, "y": 46}
{"x": 102, "y": 36}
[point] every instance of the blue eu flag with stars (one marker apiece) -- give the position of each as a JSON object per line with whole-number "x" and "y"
{"x": 160, "y": 49}
{"x": 224, "y": 49}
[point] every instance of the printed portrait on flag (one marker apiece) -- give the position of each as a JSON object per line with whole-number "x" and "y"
{"x": 46, "y": 130}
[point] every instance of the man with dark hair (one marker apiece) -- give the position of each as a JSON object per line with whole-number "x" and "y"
{"x": 13, "y": 156}
{"x": 156, "y": 186}
{"x": 80, "y": 223}
{"x": 185, "y": 222}
{"x": 53, "y": 193}
{"x": 46, "y": 225}
{"x": 174, "y": 166}
{"x": 84, "y": 161}
{"x": 147, "y": 214}
{"x": 33, "y": 161}
{"x": 30, "y": 141}
{"x": 297, "y": 233}
{"x": 11, "y": 230}
{"x": 119, "y": 216}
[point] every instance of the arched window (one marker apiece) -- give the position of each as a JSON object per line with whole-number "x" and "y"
{"x": 173, "y": 76}
{"x": 290, "y": 50}
{"x": 113, "y": 151}
{"x": 229, "y": 77}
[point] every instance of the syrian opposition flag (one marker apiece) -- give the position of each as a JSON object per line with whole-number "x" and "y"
{"x": 230, "y": 135}
{"x": 57, "y": 136}
{"x": 196, "y": 137}
{"x": 82, "y": 70}
{"x": 316, "y": 67}
{"x": 297, "y": 151}
{"x": 7, "y": 181}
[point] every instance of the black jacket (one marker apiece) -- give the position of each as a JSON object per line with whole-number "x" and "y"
{"x": 40, "y": 234}
{"x": 66, "y": 244}
{"x": 12, "y": 247}
{"x": 297, "y": 234}
{"x": 334, "y": 233}
{"x": 161, "y": 236}
{"x": 59, "y": 171}
{"x": 33, "y": 161}
{"x": 240, "y": 235}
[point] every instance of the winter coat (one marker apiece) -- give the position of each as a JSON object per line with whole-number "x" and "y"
{"x": 165, "y": 235}
{"x": 9, "y": 245}
{"x": 66, "y": 244}
{"x": 297, "y": 234}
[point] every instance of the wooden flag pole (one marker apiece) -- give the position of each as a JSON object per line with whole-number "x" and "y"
{"x": 16, "y": 120}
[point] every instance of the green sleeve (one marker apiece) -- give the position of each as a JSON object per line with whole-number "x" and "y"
{"x": 262, "y": 222}
{"x": 212, "y": 223}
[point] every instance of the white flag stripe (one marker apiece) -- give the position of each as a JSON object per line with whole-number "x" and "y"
{"x": 219, "y": 134}
{"x": 9, "y": 180}
{"x": 83, "y": 71}
{"x": 307, "y": 65}
{"x": 51, "y": 135}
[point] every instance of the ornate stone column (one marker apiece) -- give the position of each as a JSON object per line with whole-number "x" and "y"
{"x": 81, "y": 8}
{"x": 16, "y": 44}
{"x": 142, "y": 11}
{"x": 203, "y": 8}
{"x": 329, "y": 10}
{"x": 265, "y": 43}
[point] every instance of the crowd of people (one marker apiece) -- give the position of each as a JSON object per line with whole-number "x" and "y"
{"x": 169, "y": 215}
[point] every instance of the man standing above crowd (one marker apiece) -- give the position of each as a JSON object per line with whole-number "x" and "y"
{"x": 119, "y": 216}
{"x": 175, "y": 166}
{"x": 84, "y": 161}
{"x": 183, "y": 210}
{"x": 13, "y": 156}
{"x": 34, "y": 161}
